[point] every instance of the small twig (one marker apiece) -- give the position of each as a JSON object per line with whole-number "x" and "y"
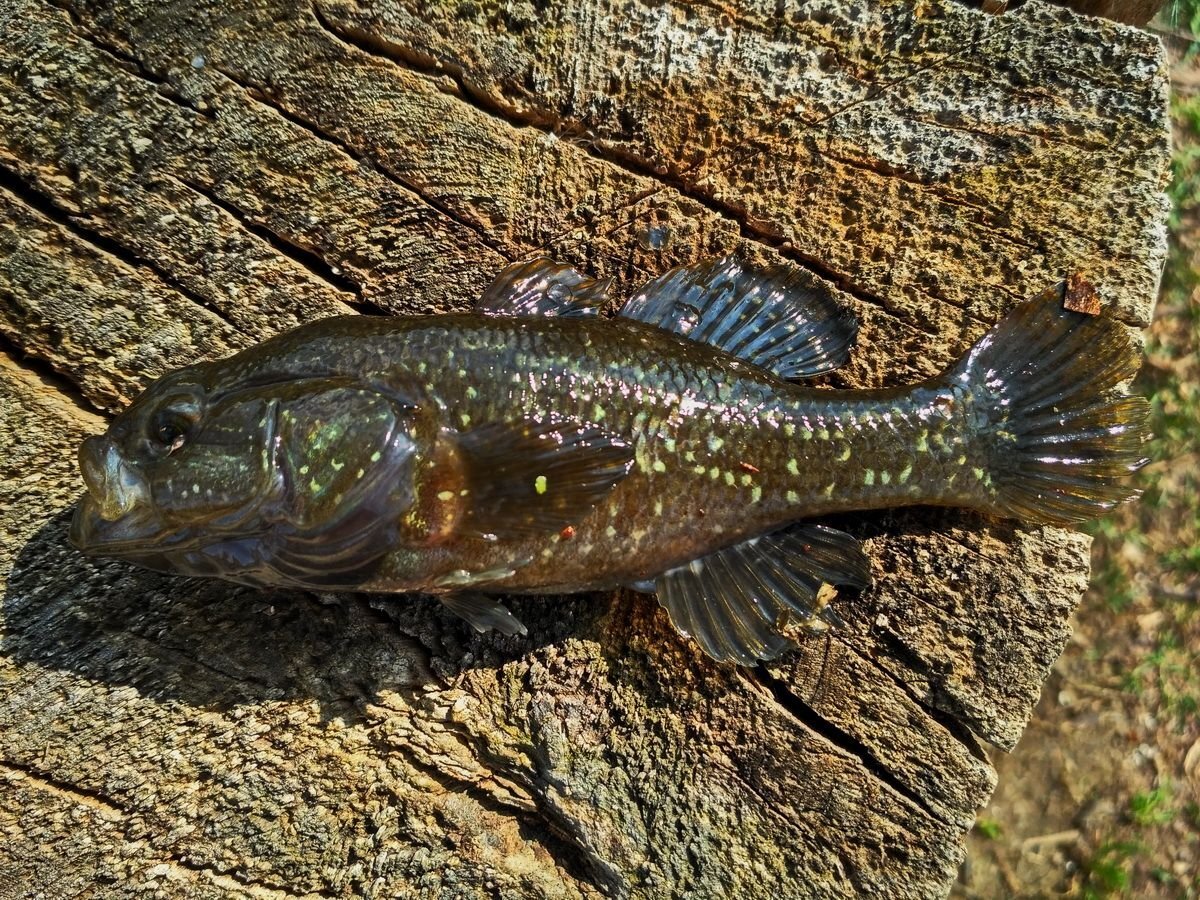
{"x": 1056, "y": 839}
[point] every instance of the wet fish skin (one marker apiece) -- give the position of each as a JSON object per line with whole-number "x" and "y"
{"x": 545, "y": 449}
{"x": 723, "y": 450}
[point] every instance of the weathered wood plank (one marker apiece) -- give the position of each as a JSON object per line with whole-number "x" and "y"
{"x": 177, "y": 181}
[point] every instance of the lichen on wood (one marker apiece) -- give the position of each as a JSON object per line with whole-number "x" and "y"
{"x": 181, "y": 180}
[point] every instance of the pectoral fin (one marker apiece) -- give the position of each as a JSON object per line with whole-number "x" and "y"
{"x": 769, "y": 317}
{"x": 533, "y": 478}
{"x": 740, "y": 603}
{"x": 484, "y": 613}
{"x": 541, "y": 287}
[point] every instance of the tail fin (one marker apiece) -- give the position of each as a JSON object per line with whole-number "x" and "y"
{"x": 1064, "y": 434}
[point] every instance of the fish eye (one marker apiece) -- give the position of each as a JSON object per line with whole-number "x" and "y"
{"x": 170, "y": 426}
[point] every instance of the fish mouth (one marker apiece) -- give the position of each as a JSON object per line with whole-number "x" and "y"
{"x": 116, "y": 487}
{"x": 116, "y": 516}
{"x": 96, "y": 535}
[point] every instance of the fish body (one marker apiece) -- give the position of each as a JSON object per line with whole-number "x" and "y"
{"x": 536, "y": 447}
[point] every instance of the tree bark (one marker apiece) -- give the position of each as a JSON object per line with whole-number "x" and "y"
{"x": 181, "y": 180}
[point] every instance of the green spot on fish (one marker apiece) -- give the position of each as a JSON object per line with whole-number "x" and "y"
{"x": 659, "y": 466}
{"x": 793, "y": 467}
{"x": 539, "y": 484}
{"x": 869, "y": 477}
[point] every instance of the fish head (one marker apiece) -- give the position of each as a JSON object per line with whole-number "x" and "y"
{"x": 269, "y": 481}
{"x": 178, "y": 459}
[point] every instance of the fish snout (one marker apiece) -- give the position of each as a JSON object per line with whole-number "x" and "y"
{"x": 114, "y": 486}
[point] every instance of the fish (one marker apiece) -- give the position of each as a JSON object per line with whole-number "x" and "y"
{"x": 536, "y": 446}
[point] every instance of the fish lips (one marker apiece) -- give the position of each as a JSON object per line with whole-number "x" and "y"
{"x": 129, "y": 535}
{"x": 115, "y": 513}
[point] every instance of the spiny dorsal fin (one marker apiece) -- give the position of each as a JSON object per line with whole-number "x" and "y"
{"x": 740, "y": 603}
{"x": 535, "y": 477}
{"x": 541, "y": 287}
{"x": 766, "y": 316}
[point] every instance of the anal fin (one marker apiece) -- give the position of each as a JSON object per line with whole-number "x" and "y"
{"x": 769, "y": 317}
{"x": 742, "y": 603}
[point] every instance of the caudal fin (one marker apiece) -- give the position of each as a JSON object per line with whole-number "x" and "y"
{"x": 1063, "y": 434}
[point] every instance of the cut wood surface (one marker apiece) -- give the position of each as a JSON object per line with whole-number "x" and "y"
{"x": 181, "y": 180}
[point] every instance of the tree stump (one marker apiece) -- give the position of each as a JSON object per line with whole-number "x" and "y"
{"x": 178, "y": 181}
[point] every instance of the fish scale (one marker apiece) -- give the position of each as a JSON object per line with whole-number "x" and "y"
{"x": 533, "y": 446}
{"x": 694, "y": 393}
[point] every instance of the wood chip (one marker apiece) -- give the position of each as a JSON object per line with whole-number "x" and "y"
{"x": 1081, "y": 295}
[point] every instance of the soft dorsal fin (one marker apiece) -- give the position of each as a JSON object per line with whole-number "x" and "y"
{"x": 740, "y": 602}
{"x": 535, "y": 477}
{"x": 542, "y": 287}
{"x": 766, "y": 316}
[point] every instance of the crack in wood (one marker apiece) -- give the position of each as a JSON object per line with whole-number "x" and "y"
{"x": 104, "y": 805}
{"x": 304, "y": 257}
{"x": 809, "y": 718}
{"x": 998, "y": 731}
{"x": 299, "y": 254}
{"x": 233, "y": 880}
{"x": 124, "y": 257}
{"x": 557, "y": 838}
{"x": 129, "y": 63}
{"x": 422, "y": 64}
{"x": 260, "y": 95}
{"x": 956, "y": 729}
{"x": 44, "y": 370}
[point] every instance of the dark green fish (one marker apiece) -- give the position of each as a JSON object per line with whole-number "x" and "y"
{"x": 535, "y": 447}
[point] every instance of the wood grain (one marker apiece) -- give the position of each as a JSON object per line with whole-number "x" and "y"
{"x": 181, "y": 180}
